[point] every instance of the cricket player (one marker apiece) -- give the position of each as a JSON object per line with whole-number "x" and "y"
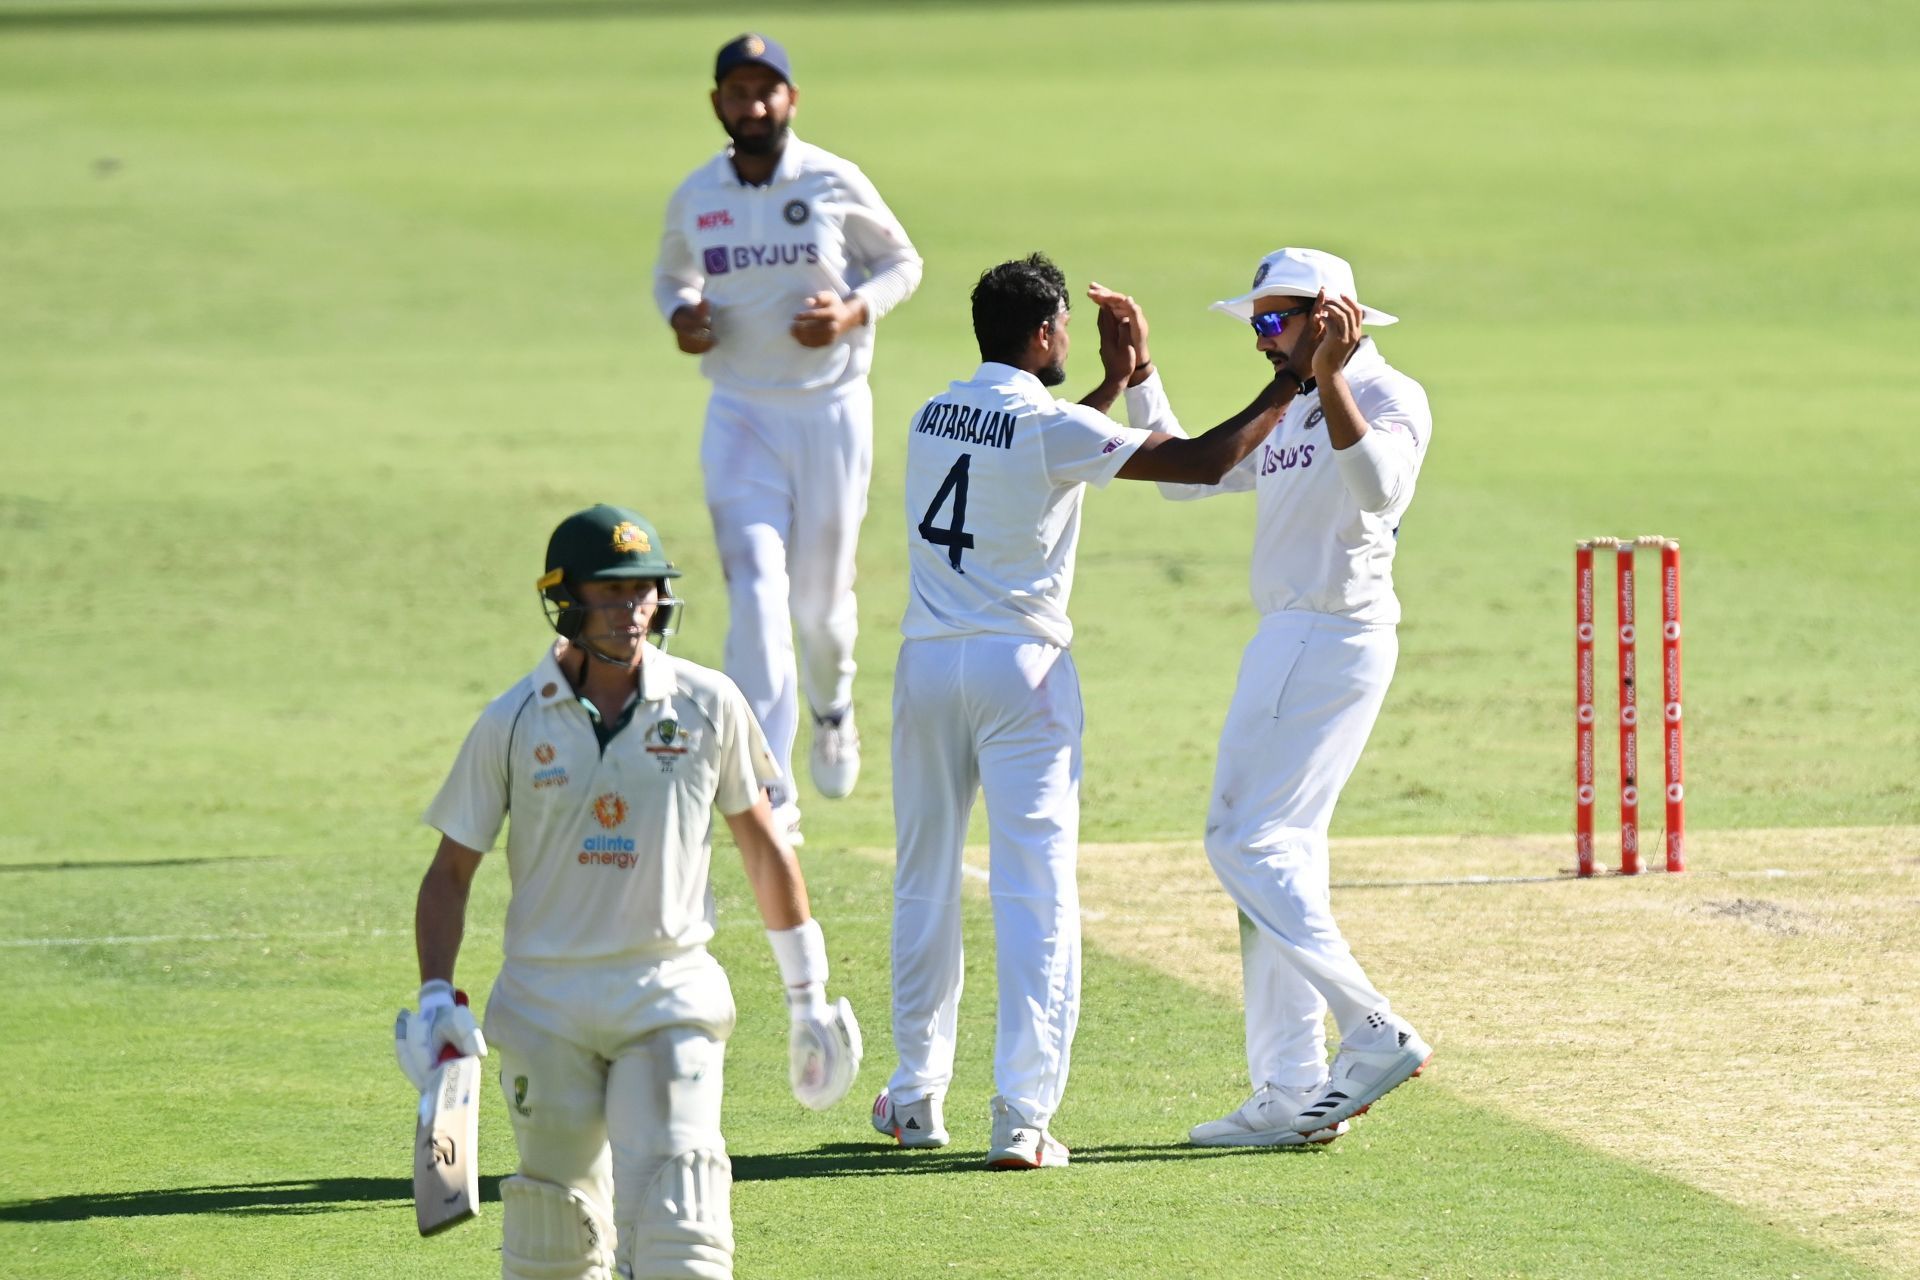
{"x": 986, "y": 697}
{"x": 1331, "y": 486}
{"x": 777, "y": 261}
{"x": 609, "y": 1015}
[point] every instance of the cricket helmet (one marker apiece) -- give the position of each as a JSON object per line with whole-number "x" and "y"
{"x": 600, "y": 544}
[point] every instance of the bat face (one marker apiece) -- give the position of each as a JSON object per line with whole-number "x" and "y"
{"x": 446, "y": 1163}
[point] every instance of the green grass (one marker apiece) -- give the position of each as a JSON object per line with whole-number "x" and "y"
{"x": 313, "y": 328}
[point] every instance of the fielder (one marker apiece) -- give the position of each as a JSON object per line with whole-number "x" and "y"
{"x": 1331, "y": 485}
{"x": 986, "y": 697}
{"x": 777, "y": 261}
{"x": 609, "y": 1016}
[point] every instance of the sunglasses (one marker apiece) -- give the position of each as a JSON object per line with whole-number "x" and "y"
{"x": 1271, "y": 324}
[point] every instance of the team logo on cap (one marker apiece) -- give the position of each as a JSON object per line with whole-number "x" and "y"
{"x": 795, "y": 212}
{"x": 631, "y": 539}
{"x": 1260, "y": 274}
{"x": 753, "y": 46}
{"x": 610, "y": 810}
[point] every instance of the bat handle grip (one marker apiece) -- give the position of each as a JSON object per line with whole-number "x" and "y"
{"x": 447, "y": 1052}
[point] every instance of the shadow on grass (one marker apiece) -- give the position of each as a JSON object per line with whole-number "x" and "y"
{"x": 296, "y": 1196}
{"x": 856, "y": 1159}
{"x": 117, "y": 864}
{"x": 339, "y": 1195}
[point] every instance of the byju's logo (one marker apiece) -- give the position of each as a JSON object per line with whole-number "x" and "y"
{"x": 717, "y": 261}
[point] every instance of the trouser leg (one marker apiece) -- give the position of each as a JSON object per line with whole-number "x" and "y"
{"x": 1030, "y": 773}
{"x": 672, "y": 1178}
{"x": 831, "y": 474}
{"x": 934, "y": 780}
{"x": 752, "y": 513}
{"x": 1305, "y": 704}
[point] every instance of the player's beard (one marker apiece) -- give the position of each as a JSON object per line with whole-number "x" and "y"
{"x": 1052, "y": 375}
{"x": 769, "y": 143}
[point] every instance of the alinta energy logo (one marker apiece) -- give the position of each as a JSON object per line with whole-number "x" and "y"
{"x": 548, "y": 774}
{"x": 544, "y": 753}
{"x": 610, "y": 810}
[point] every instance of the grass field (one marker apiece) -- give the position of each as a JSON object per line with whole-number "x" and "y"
{"x": 318, "y": 316}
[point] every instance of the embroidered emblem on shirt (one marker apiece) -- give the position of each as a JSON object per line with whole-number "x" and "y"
{"x": 610, "y": 810}
{"x": 544, "y": 753}
{"x": 795, "y": 212}
{"x": 1315, "y": 418}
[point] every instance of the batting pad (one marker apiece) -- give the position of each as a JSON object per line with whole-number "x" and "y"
{"x": 551, "y": 1232}
{"x": 684, "y": 1226}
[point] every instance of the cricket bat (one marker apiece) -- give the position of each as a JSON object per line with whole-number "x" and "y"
{"x": 446, "y": 1157}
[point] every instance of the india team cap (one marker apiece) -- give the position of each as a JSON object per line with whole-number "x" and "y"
{"x": 754, "y": 49}
{"x": 1301, "y": 273}
{"x": 606, "y": 542}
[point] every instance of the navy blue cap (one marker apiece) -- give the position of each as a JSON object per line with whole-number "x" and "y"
{"x": 754, "y": 49}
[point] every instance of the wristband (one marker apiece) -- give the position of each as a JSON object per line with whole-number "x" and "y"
{"x": 801, "y": 953}
{"x": 435, "y": 993}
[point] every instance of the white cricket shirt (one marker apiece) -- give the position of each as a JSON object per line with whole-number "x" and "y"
{"x": 996, "y": 472}
{"x": 608, "y": 853}
{"x": 1328, "y": 519}
{"x": 757, "y": 253}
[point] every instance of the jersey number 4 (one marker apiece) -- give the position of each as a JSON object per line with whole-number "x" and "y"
{"x": 954, "y": 537}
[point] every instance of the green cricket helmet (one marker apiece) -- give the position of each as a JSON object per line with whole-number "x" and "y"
{"x": 599, "y": 544}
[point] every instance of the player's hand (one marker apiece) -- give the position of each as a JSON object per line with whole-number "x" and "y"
{"x": 693, "y": 328}
{"x": 823, "y": 1047}
{"x": 419, "y": 1038}
{"x": 1117, "y": 354}
{"x": 825, "y": 318}
{"x": 1123, "y": 307}
{"x": 1339, "y": 323}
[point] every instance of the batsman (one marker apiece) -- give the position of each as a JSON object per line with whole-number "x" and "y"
{"x": 609, "y": 1018}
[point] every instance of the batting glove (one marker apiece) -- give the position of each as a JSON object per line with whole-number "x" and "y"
{"x": 823, "y": 1047}
{"x": 443, "y": 1028}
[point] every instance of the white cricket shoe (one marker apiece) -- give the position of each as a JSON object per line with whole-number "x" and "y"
{"x": 1361, "y": 1077}
{"x": 835, "y": 760}
{"x": 1018, "y": 1143}
{"x": 911, "y": 1124}
{"x": 1266, "y": 1120}
{"x": 786, "y": 821}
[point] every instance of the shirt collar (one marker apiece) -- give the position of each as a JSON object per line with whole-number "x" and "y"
{"x": 999, "y": 375}
{"x": 786, "y": 170}
{"x": 1366, "y": 358}
{"x": 550, "y": 684}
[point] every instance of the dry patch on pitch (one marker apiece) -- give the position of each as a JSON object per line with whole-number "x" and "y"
{"x": 1748, "y": 1028}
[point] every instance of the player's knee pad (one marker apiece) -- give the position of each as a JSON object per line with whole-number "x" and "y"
{"x": 683, "y": 1225}
{"x": 550, "y": 1232}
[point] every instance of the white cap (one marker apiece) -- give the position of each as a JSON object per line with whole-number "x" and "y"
{"x": 1301, "y": 273}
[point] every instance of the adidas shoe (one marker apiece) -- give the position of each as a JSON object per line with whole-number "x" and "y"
{"x": 911, "y": 1124}
{"x": 835, "y": 760}
{"x": 1266, "y": 1120}
{"x": 1361, "y": 1077}
{"x": 1018, "y": 1143}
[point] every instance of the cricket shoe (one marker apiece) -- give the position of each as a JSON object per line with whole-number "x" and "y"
{"x": 835, "y": 759}
{"x": 1018, "y": 1143}
{"x": 1361, "y": 1077}
{"x": 1266, "y": 1120}
{"x": 911, "y": 1124}
{"x": 786, "y": 822}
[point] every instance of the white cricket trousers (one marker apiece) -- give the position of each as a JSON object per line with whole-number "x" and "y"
{"x": 998, "y": 714}
{"x": 786, "y": 476}
{"x": 1310, "y": 688}
{"x": 611, "y": 1071}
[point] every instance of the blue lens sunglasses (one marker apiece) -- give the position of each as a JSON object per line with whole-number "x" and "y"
{"x": 1271, "y": 324}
